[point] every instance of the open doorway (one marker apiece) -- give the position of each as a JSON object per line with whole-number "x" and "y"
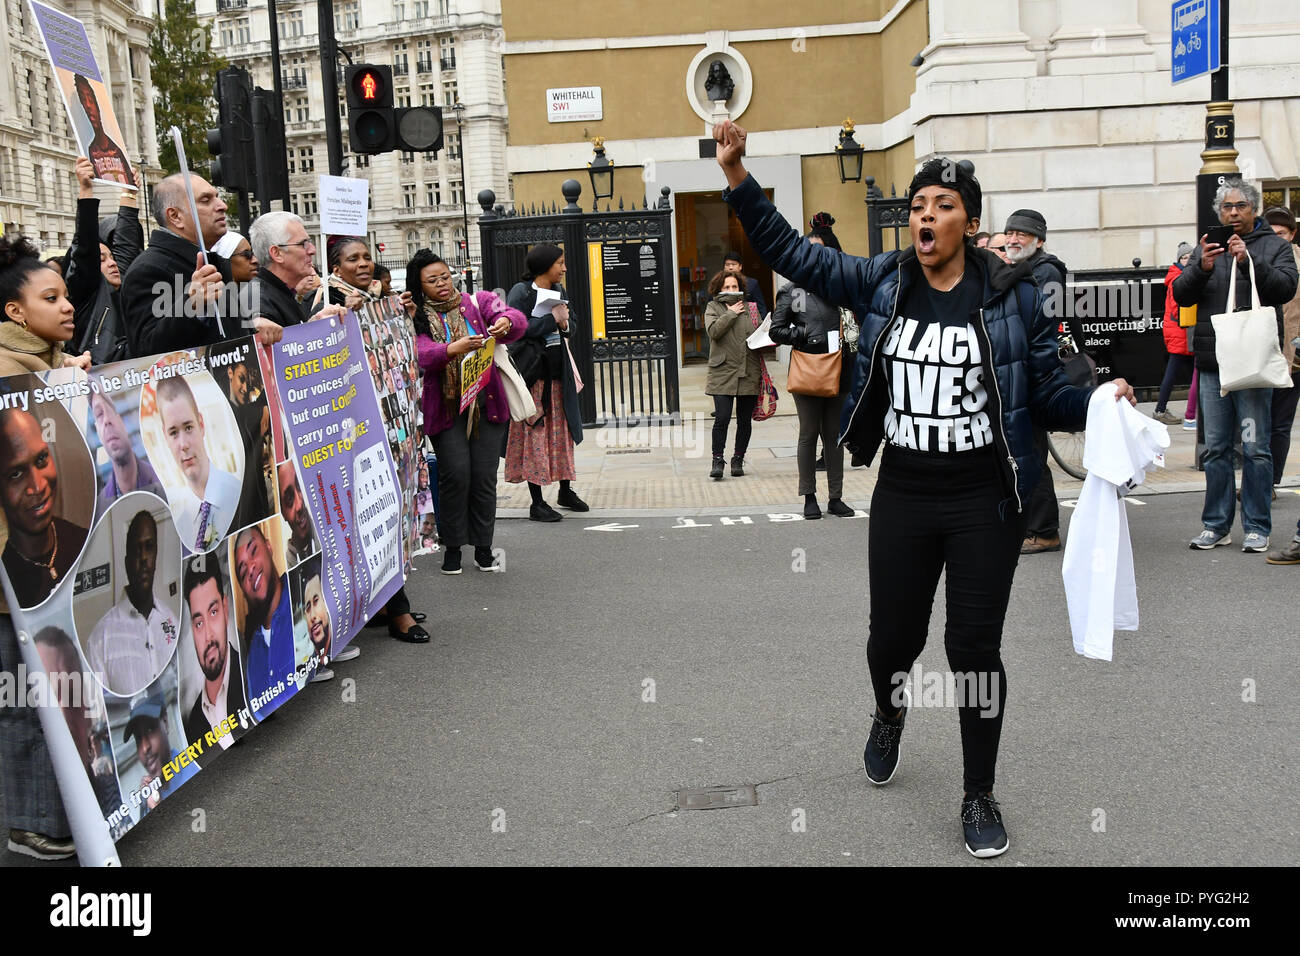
{"x": 707, "y": 229}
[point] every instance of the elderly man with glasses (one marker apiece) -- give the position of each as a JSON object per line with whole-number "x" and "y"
{"x": 1248, "y": 413}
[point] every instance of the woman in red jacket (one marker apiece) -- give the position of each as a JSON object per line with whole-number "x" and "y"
{"x": 449, "y": 325}
{"x": 1180, "y": 354}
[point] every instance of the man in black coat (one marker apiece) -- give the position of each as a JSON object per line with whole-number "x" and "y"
{"x": 97, "y": 259}
{"x": 283, "y": 247}
{"x": 1244, "y": 414}
{"x": 1026, "y": 232}
{"x": 169, "y": 294}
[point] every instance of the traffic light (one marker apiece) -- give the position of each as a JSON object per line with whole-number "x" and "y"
{"x": 419, "y": 129}
{"x": 375, "y": 126}
{"x": 372, "y": 127}
{"x": 231, "y": 143}
{"x": 268, "y": 149}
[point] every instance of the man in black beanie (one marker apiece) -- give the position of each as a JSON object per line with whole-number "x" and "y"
{"x": 1026, "y": 232}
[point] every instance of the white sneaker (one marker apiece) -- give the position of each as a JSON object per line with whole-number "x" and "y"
{"x": 321, "y": 674}
{"x": 1189, "y": 424}
{"x": 1255, "y": 543}
{"x": 351, "y": 652}
{"x": 1208, "y": 540}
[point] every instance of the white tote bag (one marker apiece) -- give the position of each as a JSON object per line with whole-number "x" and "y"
{"x": 518, "y": 395}
{"x": 1245, "y": 343}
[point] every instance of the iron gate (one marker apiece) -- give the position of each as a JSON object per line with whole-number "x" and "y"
{"x": 630, "y": 373}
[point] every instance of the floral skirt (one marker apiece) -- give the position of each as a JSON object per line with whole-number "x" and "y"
{"x": 541, "y": 452}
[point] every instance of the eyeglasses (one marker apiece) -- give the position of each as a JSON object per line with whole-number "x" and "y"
{"x": 997, "y": 248}
{"x": 302, "y": 242}
{"x": 247, "y": 254}
{"x": 1238, "y": 206}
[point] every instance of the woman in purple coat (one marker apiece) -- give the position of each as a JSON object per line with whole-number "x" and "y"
{"x": 449, "y": 325}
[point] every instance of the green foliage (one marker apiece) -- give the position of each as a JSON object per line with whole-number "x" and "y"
{"x": 184, "y": 69}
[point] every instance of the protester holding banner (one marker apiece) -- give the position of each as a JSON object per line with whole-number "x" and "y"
{"x": 38, "y": 318}
{"x": 284, "y": 252}
{"x": 449, "y": 326}
{"x": 94, "y": 274}
{"x": 540, "y": 451}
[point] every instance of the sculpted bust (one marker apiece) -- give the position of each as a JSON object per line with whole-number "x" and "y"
{"x": 719, "y": 85}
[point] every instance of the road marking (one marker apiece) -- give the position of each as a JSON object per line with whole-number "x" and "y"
{"x": 612, "y": 526}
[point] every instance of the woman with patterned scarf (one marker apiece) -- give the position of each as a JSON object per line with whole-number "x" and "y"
{"x": 449, "y": 325}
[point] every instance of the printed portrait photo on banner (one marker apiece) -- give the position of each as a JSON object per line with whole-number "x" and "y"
{"x": 300, "y": 534}
{"x": 126, "y": 601}
{"x": 121, "y": 465}
{"x": 264, "y": 614}
{"x": 213, "y": 699}
{"x": 197, "y": 449}
{"x": 240, "y": 380}
{"x": 272, "y": 401}
{"x": 153, "y": 759}
{"x": 48, "y": 500}
{"x": 79, "y": 699}
{"x": 311, "y": 614}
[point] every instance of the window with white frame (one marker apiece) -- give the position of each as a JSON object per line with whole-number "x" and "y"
{"x": 290, "y": 24}
{"x": 306, "y": 159}
{"x": 449, "y": 93}
{"x": 432, "y": 194}
{"x": 436, "y": 243}
{"x": 412, "y": 243}
{"x": 447, "y": 49}
{"x": 427, "y": 95}
{"x": 408, "y": 196}
{"x": 308, "y": 205}
{"x": 453, "y": 145}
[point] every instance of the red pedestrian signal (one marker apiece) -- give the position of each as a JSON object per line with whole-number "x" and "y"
{"x": 372, "y": 125}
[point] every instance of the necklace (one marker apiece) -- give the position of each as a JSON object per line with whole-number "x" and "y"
{"x": 955, "y": 281}
{"x": 47, "y": 565}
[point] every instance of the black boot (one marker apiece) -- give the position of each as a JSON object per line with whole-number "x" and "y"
{"x": 568, "y": 498}
{"x": 719, "y": 466}
{"x": 838, "y": 508}
{"x": 737, "y": 466}
{"x": 811, "y": 510}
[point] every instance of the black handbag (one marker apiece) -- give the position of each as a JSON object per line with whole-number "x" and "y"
{"x": 1081, "y": 370}
{"x": 529, "y": 356}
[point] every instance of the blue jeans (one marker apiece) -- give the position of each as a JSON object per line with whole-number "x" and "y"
{"x": 1247, "y": 413}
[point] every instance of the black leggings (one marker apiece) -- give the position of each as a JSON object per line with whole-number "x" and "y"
{"x": 928, "y": 515}
{"x": 1178, "y": 366}
{"x": 745, "y": 405}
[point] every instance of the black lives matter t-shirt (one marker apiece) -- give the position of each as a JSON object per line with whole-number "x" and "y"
{"x": 933, "y": 367}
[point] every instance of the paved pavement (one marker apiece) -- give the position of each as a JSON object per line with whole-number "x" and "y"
{"x": 525, "y": 733}
{"x": 630, "y": 470}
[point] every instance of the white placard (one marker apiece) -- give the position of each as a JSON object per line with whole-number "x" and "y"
{"x": 343, "y": 205}
{"x": 573, "y": 103}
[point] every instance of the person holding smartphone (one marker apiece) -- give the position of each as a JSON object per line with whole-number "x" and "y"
{"x": 734, "y": 375}
{"x": 1248, "y": 412}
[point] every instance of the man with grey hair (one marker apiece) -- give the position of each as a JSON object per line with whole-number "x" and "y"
{"x": 283, "y": 247}
{"x": 1204, "y": 284}
{"x": 1023, "y": 238}
{"x": 170, "y": 296}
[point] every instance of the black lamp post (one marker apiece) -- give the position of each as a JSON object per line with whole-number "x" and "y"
{"x": 601, "y": 171}
{"x": 459, "y": 107}
{"x": 849, "y": 153}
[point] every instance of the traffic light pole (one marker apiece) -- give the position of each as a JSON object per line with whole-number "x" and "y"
{"x": 330, "y": 84}
{"x": 278, "y": 85}
{"x": 243, "y": 211}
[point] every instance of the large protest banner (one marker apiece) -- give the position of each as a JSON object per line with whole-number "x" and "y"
{"x": 162, "y": 623}
{"x": 80, "y": 81}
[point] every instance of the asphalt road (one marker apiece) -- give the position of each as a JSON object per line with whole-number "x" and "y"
{"x": 520, "y": 734}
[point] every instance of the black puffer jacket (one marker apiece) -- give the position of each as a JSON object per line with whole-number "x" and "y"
{"x": 1018, "y": 342}
{"x": 1275, "y": 277}
{"x": 803, "y": 321}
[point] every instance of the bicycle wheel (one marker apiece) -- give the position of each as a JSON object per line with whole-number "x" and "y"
{"x": 1067, "y": 449}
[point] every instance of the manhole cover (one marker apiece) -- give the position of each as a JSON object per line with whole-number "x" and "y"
{"x": 716, "y": 798}
{"x": 628, "y": 451}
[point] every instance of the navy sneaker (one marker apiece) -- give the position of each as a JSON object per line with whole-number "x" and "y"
{"x": 881, "y": 754}
{"x": 981, "y": 820}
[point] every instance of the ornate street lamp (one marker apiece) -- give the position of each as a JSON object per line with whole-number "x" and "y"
{"x": 849, "y": 153}
{"x": 601, "y": 171}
